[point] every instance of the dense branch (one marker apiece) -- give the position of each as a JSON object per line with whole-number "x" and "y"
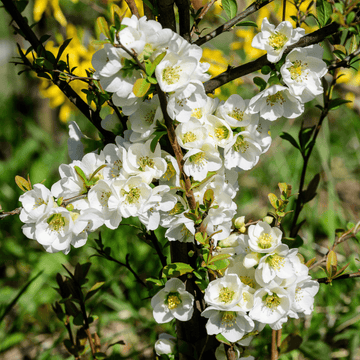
{"x": 255, "y": 6}
{"x": 30, "y": 36}
{"x": 248, "y": 68}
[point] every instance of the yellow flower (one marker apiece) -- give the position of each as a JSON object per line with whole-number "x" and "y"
{"x": 40, "y": 6}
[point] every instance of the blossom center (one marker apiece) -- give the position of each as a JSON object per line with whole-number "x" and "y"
{"x": 226, "y": 295}
{"x": 297, "y": 70}
{"x": 198, "y": 158}
{"x": 145, "y": 161}
{"x": 173, "y": 300}
{"x": 39, "y": 202}
{"x": 104, "y": 197}
{"x": 150, "y": 116}
{"x": 240, "y": 144}
{"x": 170, "y": 171}
{"x": 56, "y": 222}
{"x": 171, "y": 75}
{"x": 228, "y": 318}
{"x": 272, "y": 301}
{"x": 132, "y": 196}
{"x": 189, "y": 137}
{"x": 177, "y": 209}
{"x": 197, "y": 113}
{"x": 115, "y": 170}
{"x": 276, "y": 98}
{"x": 221, "y": 132}
{"x": 276, "y": 261}
{"x": 265, "y": 241}
{"x": 237, "y": 114}
{"x": 277, "y": 40}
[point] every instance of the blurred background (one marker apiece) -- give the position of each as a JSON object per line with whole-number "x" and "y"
{"x": 34, "y": 117}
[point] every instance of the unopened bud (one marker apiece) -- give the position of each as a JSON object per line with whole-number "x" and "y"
{"x": 240, "y": 224}
{"x": 268, "y": 219}
{"x": 230, "y": 241}
{"x": 70, "y": 207}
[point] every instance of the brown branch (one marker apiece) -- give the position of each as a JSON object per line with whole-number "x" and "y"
{"x": 30, "y": 36}
{"x": 166, "y": 14}
{"x": 242, "y": 70}
{"x": 133, "y": 8}
{"x": 325, "y": 280}
{"x": 274, "y": 350}
{"x": 255, "y": 6}
{"x": 5, "y": 214}
{"x": 203, "y": 12}
{"x": 184, "y": 18}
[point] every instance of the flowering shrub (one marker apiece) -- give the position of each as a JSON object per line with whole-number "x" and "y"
{"x": 174, "y": 164}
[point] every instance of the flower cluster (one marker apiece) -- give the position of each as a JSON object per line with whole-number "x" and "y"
{"x": 266, "y": 282}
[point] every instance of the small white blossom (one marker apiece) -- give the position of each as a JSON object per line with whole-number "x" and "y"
{"x": 276, "y": 40}
{"x": 263, "y": 238}
{"x": 173, "y": 301}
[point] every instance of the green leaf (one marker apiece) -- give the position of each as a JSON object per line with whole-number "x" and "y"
{"x": 22, "y": 183}
{"x": 157, "y": 136}
{"x": 260, "y": 83}
{"x": 339, "y": 54}
{"x": 100, "y": 355}
{"x": 78, "y": 319}
{"x": 334, "y": 104}
{"x": 291, "y": 342}
{"x": 304, "y": 136}
{"x": 45, "y": 38}
{"x": 81, "y": 174}
{"x": 230, "y": 7}
{"x": 310, "y": 192}
{"x": 103, "y": 26}
{"x": 155, "y": 63}
{"x": 222, "y": 339}
{"x": 95, "y": 288}
{"x": 62, "y": 48}
{"x": 141, "y": 87}
{"x": 273, "y": 200}
{"x": 221, "y": 264}
{"x": 208, "y": 198}
{"x": 323, "y": 11}
{"x": 288, "y": 137}
{"x": 200, "y": 238}
{"x": 21, "y": 5}
{"x": 177, "y": 269}
{"x": 247, "y": 23}
{"x": 219, "y": 257}
{"x": 265, "y": 69}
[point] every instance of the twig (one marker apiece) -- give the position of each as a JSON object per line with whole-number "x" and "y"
{"x": 255, "y": 6}
{"x": 5, "y": 214}
{"x": 346, "y": 61}
{"x": 74, "y": 77}
{"x": 155, "y": 242}
{"x": 274, "y": 351}
{"x": 325, "y": 280}
{"x": 234, "y": 73}
{"x": 133, "y": 8}
{"x": 203, "y": 12}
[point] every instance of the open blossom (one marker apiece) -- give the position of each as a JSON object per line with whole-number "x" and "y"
{"x": 276, "y": 40}
{"x": 173, "y": 301}
{"x": 165, "y": 344}
{"x": 263, "y": 238}
{"x": 275, "y": 102}
{"x": 303, "y": 70}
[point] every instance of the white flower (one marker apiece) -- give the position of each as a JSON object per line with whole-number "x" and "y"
{"x": 275, "y": 264}
{"x": 276, "y": 40}
{"x": 303, "y": 70}
{"x": 224, "y": 293}
{"x": 219, "y": 130}
{"x": 114, "y": 157}
{"x": 174, "y": 71}
{"x": 270, "y": 305}
{"x": 198, "y": 162}
{"x": 35, "y": 203}
{"x": 274, "y": 102}
{"x": 234, "y": 111}
{"x": 304, "y": 290}
{"x": 98, "y": 198}
{"x": 242, "y": 152}
{"x": 141, "y": 161}
{"x": 263, "y": 238}
{"x": 232, "y": 324}
{"x": 191, "y": 135}
{"x": 180, "y": 229}
{"x": 54, "y": 230}
{"x": 173, "y": 301}
{"x": 165, "y": 344}
{"x": 172, "y": 173}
